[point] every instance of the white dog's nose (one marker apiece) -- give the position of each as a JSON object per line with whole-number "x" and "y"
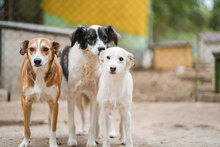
{"x": 112, "y": 69}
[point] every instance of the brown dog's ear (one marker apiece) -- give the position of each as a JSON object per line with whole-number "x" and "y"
{"x": 130, "y": 60}
{"x": 24, "y": 47}
{"x": 57, "y": 48}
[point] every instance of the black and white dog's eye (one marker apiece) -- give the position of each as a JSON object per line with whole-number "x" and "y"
{"x": 121, "y": 59}
{"x": 31, "y": 49}
{"x": 104, "y": 38}
{"x": 108, "y": 57}
{"x": 45, "y": 49}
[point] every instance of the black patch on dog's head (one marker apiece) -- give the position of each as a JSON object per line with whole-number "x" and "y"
{"x": 80, "y": 35}
{"x": 103, "y": 34}
{"x": 91, "y": 36}
{"x": 111, "y": 34}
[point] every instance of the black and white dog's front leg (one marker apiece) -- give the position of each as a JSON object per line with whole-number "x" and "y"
{"x": 93, "y": 122}
{"x": 71, "y": 117}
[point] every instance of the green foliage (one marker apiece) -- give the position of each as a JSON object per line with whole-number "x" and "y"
{"x": 215, "y": 19}
{"x": 178, "y": 20}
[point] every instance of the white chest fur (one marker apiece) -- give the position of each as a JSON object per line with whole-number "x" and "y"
{"x": 114, "y": 92}
{"x": 40, "y": 92}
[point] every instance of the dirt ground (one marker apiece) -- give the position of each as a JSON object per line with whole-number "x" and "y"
{"x": 154, "y": 125}
{"x": 156, "y": 85}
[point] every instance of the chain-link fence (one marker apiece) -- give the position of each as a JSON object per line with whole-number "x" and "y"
{"x": 173, "y": 70}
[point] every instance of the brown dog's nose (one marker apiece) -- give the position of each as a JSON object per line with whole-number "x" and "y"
{"x": 37, "y": 61}
{"x": 112, "y": 69}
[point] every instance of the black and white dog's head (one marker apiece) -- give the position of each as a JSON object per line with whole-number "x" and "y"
{"x": 95, "y": 38}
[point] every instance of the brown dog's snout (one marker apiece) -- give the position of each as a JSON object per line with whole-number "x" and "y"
{"x": 37, "y": 61}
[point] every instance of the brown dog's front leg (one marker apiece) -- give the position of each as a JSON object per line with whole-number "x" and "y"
{"x": 54, "y": 114}
{"x": 27, "y": 115}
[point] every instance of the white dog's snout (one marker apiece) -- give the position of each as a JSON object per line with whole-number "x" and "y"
{"x": 112, "y": 69}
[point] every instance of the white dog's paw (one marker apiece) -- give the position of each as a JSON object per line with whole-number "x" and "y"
{"x": 129, "y": 145}
{"x": 53, "y": 145}
{"x": 122, "y": 139}
{"x": 91, "y": 144}
{"x": 72, "y": 142}
{"x": 112, "y": 134}
{"x": 80, "y": 132}
{"x": 106, "y": 145}
{"x": 25, "y": 143}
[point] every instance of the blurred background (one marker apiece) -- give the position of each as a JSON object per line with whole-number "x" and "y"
{"x": 173, "y": 41}
{"x": 176, "y": 44}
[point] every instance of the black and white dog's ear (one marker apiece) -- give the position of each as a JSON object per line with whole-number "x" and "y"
{"x": 24, "y": 47}
{"x": 79, "y": 35}
{"x": 57, "y": 49}
{"x": 112, "y": 35}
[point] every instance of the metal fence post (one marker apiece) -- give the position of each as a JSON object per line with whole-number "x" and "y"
{"x": 1, "y": 58}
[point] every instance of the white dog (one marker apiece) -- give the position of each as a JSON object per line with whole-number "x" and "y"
{"x": 80, "y": 64}
{"x": 115, "y": 91}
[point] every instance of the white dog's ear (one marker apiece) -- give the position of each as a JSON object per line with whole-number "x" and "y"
{"x": 101, "y": 56}
{"x": 130, "y": 60}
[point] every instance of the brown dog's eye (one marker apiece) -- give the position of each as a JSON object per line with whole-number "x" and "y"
{"x": 121, "y": 59}
{"x": 45, "y": 49}
{"x": 108, "y": 57}
{"x": 31, "y": 49}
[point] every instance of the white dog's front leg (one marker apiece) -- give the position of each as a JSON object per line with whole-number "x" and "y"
{"x": 112, "y": 132}
{"x": 127, "y": 123}
{"x": 122, "y": 129}
{"x": 72, "y": 129}
{"x": 92, "y": 129}
{"x": 104, "y": 115}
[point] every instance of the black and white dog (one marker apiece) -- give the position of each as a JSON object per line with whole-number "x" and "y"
{"x": 80, "y": 67}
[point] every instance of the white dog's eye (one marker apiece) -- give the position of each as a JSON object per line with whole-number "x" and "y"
{"x": 108, "y": 57}
{"x": 121, "y": 59}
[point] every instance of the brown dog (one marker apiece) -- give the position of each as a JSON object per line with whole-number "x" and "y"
{"x": 41, "y": 77}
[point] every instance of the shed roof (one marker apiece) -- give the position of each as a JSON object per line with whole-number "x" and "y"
{"x": 178, "y": 44}
{"x": 210, "y": 37}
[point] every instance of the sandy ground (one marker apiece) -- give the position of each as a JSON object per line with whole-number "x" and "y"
{"x": 154, "y": 125}
{"x": 155, "y": 85}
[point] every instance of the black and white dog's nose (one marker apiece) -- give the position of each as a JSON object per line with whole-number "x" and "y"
{"x": 37, "y": 61}
{"x": 101, "y": 49}
{"x": 113, "y": 69}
